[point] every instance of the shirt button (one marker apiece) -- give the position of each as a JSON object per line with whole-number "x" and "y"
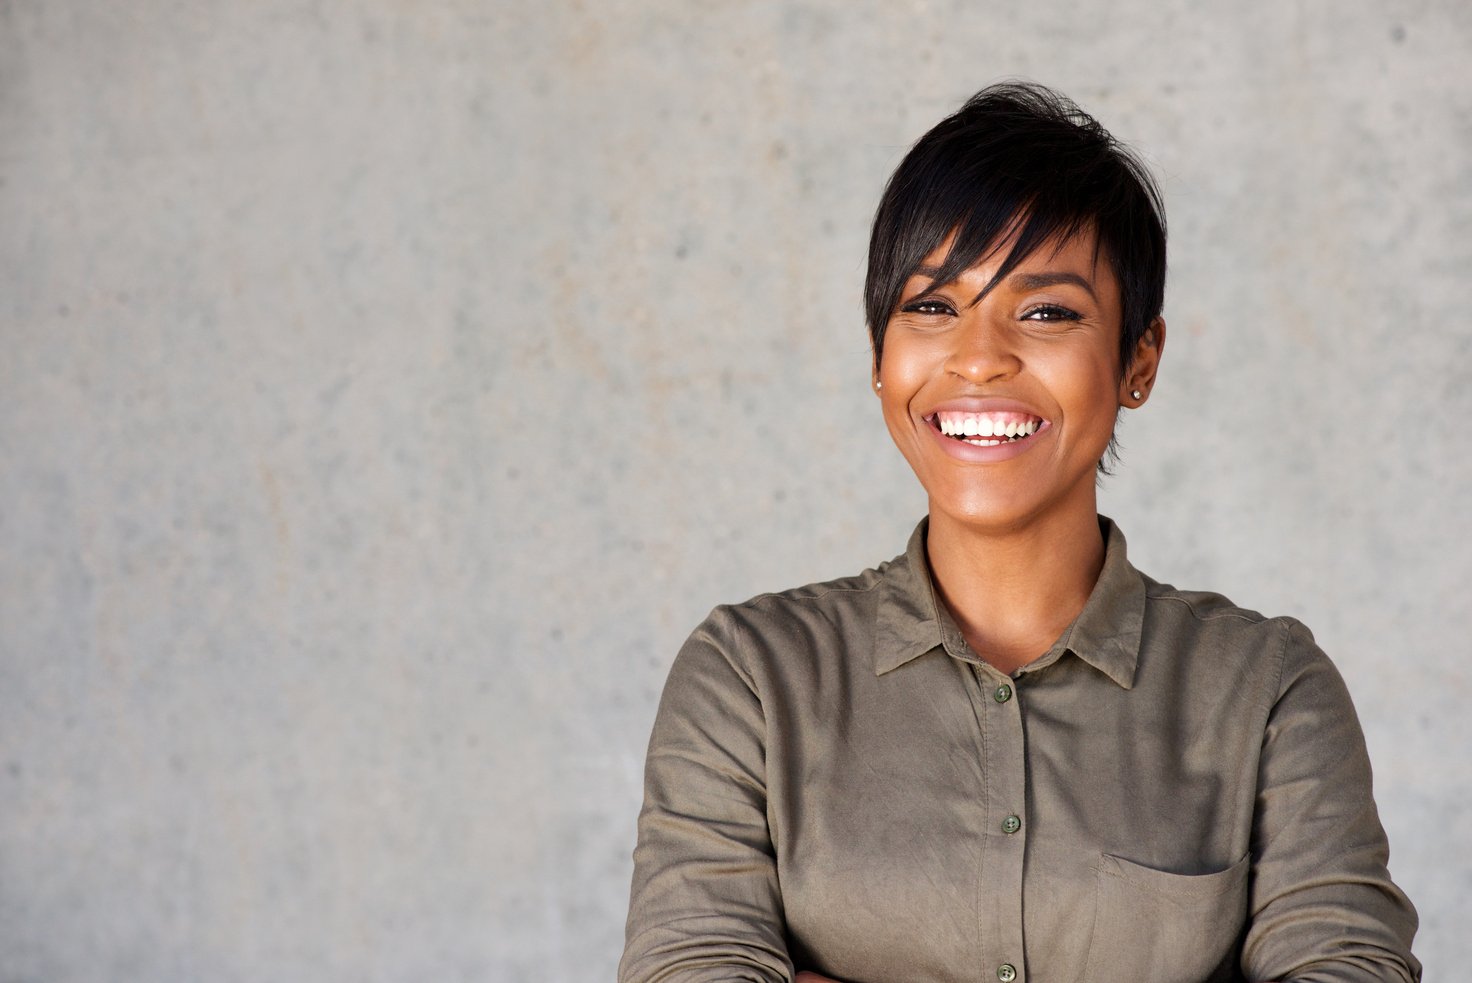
{"x": 1003, "y": 693}
{"x": 1006, "y": 973}
{"x": 1011, "y": 824}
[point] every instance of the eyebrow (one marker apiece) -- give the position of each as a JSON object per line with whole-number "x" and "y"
{"x": 1024, "y": 281}
{"x": 1037, "y": 281}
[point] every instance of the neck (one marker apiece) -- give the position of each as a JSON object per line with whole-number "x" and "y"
{"x": 1014, "y": 591}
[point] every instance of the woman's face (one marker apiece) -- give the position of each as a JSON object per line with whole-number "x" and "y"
{"x": 1003, "y": 406}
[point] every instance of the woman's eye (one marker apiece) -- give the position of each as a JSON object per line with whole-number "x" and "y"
{"x": 928, "y": 307}
{"x": 1050, "y": 312}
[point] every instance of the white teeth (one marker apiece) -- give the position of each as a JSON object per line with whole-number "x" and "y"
{"x": 968, "y": 426}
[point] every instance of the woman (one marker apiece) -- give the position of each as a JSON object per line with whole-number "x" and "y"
{"x": 1007, "y": 754}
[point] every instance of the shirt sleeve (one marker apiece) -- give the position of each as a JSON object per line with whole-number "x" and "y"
{"x": 705, "y": 903}
{"x": 1323, "y": 906}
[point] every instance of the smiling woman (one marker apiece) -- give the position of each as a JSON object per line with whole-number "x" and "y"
{"x": 1007, "y": 753}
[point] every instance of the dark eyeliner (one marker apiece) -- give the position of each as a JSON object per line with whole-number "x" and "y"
{"x": 1057, "y": 313}
{"x": 913, "y": 307}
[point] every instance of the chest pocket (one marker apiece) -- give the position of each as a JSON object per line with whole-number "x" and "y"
{"x": 1167, "y": 928}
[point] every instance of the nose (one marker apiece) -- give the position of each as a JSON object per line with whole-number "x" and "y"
{"x": 985, "y": 350}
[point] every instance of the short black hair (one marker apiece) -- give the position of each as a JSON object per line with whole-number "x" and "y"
{"x": 1018, "y": 157}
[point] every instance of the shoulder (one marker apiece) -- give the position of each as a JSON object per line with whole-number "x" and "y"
{"x": 824, "y": 602}
{"x": 791, "y": 630}
{"x": 811, "y": 612}
{"x": 1231, "y": 637}
{"x": 1208, "y": 609}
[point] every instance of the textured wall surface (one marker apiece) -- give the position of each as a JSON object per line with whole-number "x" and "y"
{"x": 387, "y": 388}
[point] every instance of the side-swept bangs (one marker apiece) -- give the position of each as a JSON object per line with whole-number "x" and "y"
{"x": 1018, "y": 159}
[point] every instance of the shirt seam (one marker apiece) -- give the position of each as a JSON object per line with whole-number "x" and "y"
{"x": 1287, "y": 630}
{"x": 737, "y": 662}
{"x": 986, "y": 913}
{"x": 737, "y": 632}
{"x": 794, "y": 594}
{"x": 1252, "y": 618}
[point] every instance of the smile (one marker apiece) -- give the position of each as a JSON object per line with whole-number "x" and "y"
{"x": 985, "y": 429}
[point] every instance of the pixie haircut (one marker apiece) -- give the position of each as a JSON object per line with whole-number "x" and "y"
{"x": 1020, "y": 159}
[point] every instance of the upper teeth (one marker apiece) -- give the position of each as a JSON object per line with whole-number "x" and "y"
{"x": 987, "y": 425}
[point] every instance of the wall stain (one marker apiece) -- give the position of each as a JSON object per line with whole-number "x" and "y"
{"x": 278, "y": 522}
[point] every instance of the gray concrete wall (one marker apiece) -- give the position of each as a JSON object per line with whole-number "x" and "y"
{"x": 386, "y": 389}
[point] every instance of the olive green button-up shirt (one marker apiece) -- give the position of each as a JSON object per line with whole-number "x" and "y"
{"x": 1178, "y": 790}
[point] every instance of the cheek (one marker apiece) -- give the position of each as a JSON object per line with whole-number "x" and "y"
{"x": 904, "y": 372}
{"x": 897, "y": 419}
{"x": 896, "y": 401}
{"x": 1083, "y": 384}
{"x": 907, "y": 364}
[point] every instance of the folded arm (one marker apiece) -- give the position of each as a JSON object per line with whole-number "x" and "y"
{"x": 1323, "y": 906}
{"x": 705, "y": 903}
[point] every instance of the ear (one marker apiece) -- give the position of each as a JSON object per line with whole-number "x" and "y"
{"x": 1140, "y": 374}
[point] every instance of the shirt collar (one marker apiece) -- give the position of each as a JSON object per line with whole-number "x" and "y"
{"x": 911, "y": 620}
{"x": 908, "y": 622}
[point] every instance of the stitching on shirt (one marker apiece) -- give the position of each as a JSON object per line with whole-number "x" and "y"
{"x": 1282, "y": 663}
{"x": 736, "y": 629}
{"x": 818, "y": 592}
{"x": 984, "y": 911}
{"x": 1229, "y": 610}
{"x": 1264, "y": 699}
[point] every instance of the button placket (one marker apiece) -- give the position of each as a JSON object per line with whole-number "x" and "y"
{"x": 1003, "y": 694}
{"x": 1006, "y": 798}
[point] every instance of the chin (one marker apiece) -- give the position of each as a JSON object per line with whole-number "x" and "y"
{"x": 1000, "y": 506}
{"x": 991, "y": 512}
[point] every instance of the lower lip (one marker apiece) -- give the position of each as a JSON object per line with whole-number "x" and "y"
{"x": 962, "y": 451}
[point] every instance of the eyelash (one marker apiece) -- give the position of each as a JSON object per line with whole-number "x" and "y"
{"x": 917, "y": 307}
{"x": 1053, "y": 312}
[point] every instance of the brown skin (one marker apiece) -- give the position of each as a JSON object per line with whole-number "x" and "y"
{"x": 1035, "y": 512}
{"x": 1054, "y": 348}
